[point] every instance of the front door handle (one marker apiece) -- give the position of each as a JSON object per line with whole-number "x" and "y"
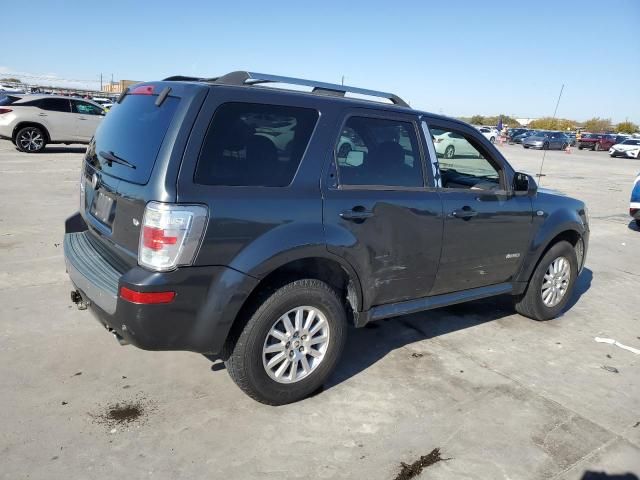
{"x": 465, "y": 213}
{"x": 42, "y": 115}
{"x": 356, "y": 214}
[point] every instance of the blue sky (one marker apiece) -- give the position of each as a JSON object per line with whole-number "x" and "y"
{"x": 452, "y": 57}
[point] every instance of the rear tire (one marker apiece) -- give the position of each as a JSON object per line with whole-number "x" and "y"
{"x": 247, "y": 352}
{"x": 535, "y": 302}
{"x": 545, "y": 146}
{"x": 449, "y": 152}
{"x": 579, "y": 148}
{"x": 31, "y": 139}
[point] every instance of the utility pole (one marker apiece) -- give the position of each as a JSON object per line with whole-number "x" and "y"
{"x": 342, "y": 80}
{"x": 100, "y": 81}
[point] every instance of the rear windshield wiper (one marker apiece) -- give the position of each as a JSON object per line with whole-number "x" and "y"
{"x": 111, "y": 157}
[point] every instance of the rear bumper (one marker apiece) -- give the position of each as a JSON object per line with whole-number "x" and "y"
{"x": 206, "y": 303}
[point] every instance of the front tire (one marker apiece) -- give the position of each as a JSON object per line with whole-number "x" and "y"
{"x": 31, "y": 140}
{"x": 290, "y": 344}
{"x": 596, "y": 147}
{"x": 551, "y": 285}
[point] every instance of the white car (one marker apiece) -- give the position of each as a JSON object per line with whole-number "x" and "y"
{"x": 8, "y": 89}
{"x": 106, "y": 103}
{"x": 629, "y": 146}
{"x": 31, "y": 122}
{"x": 451, "y": 144}
{"x": 490, "y": 133}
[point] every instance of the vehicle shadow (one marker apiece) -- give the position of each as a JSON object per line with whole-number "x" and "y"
{"x": 370, "y": 344}
{"x": 591, "y": 475}
{"x": 366, "y": 346}
{"x": 633, "y": 226}
{"x": 582, "y": 285}
{"x": 65, "y": 149}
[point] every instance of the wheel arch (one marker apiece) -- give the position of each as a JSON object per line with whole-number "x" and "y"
{"x": 328, "y": 268}
{"x": 572, "y": 233}
{"x": 27, "y": 123}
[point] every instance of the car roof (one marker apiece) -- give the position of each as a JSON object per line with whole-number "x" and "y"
{"x": 322, "y": 92}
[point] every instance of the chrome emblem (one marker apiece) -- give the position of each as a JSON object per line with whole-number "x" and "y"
{"x": 136, "y": 222}
{"x": 94, "y": 181}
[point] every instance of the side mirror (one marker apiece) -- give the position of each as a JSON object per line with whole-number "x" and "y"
{"x": 524, "y": 184}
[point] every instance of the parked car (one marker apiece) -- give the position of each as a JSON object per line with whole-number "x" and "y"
{"x": 634, "y": 205}
{"x": 10, "y": 89}
{"x": 599, "y": 141}
{"x": 197, "y": 233}
{"x": 451, "y": 144}
{"x": 104, "y": 102}
{"x": 514, "y": 132}
{"x": 621, "y": 149}
{"x": 31, "y": 122}
{"x": 546, "y": 141}
{"x": 489, "y": 133}
{"x": 572, "y": 139}
{"x": 518, "y": 139}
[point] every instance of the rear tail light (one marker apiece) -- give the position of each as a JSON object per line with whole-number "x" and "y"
{"x": 170, "y": 235}
{"x": 5, "y": 110}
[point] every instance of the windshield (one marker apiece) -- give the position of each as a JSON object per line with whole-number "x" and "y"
{"x": 631, "y": 142}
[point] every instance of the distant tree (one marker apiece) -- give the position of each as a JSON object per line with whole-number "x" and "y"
{"x": 477, "y": 120}
{"x": 549, "y": 123}
{"x": 10, "y": 80}
{"x": 627, "y": 127}
{"x": 597, "y": 124}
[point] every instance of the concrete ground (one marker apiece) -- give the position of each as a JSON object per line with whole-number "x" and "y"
{"x": 501, "y": 396}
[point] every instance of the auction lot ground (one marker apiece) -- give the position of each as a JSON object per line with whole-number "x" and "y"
{"x": 501, "y": 396}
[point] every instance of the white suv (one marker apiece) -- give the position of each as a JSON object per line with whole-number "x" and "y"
{"x": 33, "y": 121}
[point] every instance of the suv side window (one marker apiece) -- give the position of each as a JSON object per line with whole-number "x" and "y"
{"x": 85, "y": 108}
{"x": 375, "y": 151}
{"x": 249, "y": 144}
{"x": 462, "y": 164}
{"x": 55, "y": 105}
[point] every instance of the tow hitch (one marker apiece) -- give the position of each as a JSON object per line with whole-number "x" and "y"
{"x": 81, "y": 303}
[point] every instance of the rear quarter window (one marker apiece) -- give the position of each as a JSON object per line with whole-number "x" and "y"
{"x": 250, "y": 144}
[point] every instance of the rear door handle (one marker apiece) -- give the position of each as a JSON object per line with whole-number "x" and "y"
{"x": 464, "y": 213}
{"x": 356, "y": 213}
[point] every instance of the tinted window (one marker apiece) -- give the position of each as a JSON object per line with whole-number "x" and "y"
{"x": 133, "y": 130}
{"x": 86, "y": 108}
{"x": 7, "y": 99}
{"x": 373, "y": 151}
{"x": 55, "y": 104}
{"x": 462, "y": 164}
{"x": 251, "y": 144}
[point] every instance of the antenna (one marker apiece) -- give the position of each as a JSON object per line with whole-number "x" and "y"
{"x": 545, "y": 152}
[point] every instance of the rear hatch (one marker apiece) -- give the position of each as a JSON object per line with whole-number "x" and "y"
{"x": 134, "y": 158}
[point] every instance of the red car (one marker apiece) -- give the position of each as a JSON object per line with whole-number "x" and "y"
{"x": 599, "y": 141}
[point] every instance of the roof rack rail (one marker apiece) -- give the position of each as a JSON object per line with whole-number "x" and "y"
{"x": 320, "y": 88}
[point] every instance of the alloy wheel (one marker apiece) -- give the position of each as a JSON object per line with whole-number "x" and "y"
{"x": 31, "y": 139}
{"x": 296, "y": 344}
{"x": 556, "y": 282}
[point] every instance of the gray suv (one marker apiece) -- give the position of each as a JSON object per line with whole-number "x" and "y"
{"x": 226, "y": 217}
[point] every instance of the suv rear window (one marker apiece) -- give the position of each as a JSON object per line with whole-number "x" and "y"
{"x": 250, "y": 144}
{"x": 133, "y": 130}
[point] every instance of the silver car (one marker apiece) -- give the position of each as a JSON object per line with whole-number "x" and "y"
{"x": 547, "y": 141}
{"x": 33, "y": 121}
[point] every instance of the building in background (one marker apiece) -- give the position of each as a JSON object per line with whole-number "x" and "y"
{"x": 118, "y": 87}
